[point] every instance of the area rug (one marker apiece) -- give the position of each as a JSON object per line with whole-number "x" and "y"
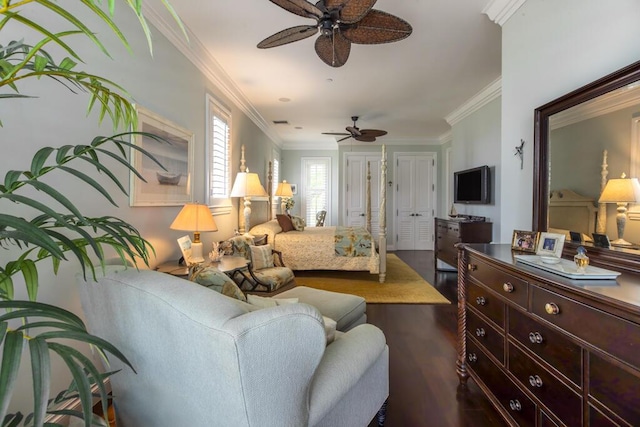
{"x": 402, "y": 285}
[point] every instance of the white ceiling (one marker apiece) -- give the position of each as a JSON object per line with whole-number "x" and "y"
{"x": 407, "y": 87}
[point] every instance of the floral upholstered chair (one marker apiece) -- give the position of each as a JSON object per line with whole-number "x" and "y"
{"x": 266, "y": 270}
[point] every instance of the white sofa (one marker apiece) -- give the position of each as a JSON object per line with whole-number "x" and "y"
{"x": 204, "y": 359}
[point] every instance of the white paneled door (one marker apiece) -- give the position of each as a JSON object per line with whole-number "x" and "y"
{"x": 415, "y": 200}
{"x": 356, "y": 189}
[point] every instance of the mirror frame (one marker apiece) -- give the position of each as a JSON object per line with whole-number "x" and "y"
{"x": 613, "y": 81}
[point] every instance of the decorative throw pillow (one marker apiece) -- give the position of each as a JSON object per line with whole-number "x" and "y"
{"x": 298, "y": 223}
{"x": 216, "y": 280}
{"x": 261, "y": 257}
{"x": 285, "y": 222}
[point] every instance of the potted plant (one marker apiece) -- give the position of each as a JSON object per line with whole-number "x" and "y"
{"x": 52, "y": 235}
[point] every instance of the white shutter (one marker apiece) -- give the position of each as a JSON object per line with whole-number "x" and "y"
{"x": 315, "y": 187}
{"x": 219, "y": 150}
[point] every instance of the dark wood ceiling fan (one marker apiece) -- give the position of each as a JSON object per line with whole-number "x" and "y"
{"x": 340, "y": 22}
{"x": 364, "y": 135}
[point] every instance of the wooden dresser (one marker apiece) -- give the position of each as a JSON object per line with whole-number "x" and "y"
{"x": 449, "y": 232}
{"x": 546, "y": 350}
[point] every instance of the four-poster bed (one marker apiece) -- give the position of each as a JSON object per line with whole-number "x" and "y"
{"x": 317, "y": 248}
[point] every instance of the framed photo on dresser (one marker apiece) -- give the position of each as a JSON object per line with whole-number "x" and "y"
{"x": 524, "y": 241}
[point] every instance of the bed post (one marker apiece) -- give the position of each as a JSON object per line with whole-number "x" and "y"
{"x": 601, "y": 225}
{"x": 382, "y": 245}
{"x": 269, "y": 191}
{"x": 368, "y": 199}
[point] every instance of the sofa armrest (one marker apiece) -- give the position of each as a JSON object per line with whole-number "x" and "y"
{"x": 346, "y": 360}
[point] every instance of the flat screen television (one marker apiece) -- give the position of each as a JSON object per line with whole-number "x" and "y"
{"x": 472, "y": 186}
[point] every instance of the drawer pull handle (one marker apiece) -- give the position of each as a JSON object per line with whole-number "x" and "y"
{"x": 508, "y": 287}
{"x": 515, "y": 405}
{"x": 535, "y": 381}
{"x": 480, "y": 332}
{"x": 481, "y": 301}
{"x": 472, "y": 357}
{"x": 551, "y": 308}
{"x": 535, "y": 337}
{"x": 472, "y": 267}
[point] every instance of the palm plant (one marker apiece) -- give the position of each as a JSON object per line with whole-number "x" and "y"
{"x": 55, "y": 236}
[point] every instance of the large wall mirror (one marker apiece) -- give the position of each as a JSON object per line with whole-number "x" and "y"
{"x": 581, "y": 140}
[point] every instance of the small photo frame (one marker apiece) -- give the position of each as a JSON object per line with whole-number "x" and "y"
{"x": 525, "y": 241}
{"x": 294, "y": 188}
{"x": 601, "y": 240}
{"x": 576, "y": 237}
{"x": 185, "y": 247}
{"x": 550, "y": 244}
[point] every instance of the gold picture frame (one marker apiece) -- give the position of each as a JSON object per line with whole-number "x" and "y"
{"x": 525, "y": 241}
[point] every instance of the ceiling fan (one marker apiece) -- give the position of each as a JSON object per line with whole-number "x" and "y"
{"x": 365, "y": 135}
{"x": 340, "y": 22}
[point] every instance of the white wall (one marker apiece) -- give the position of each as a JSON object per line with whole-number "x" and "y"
{"x": 166, "y": 84}
{"x": 476, "y": 142}
{"x": 550, "y": 48}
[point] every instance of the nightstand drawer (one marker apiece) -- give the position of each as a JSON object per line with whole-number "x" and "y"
{"x": 552, "y": 346}
{"x": 486, "y": 303}
{"x": 557, "y": 396}
{"x": 487, "y": 335}
{"x": 512, "y": 399}
{"x": 612, "y": 334}
{"x": 507, "y": 285}
{"x": 615, "y": 387}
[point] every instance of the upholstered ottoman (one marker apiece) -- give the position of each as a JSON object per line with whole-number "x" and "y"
{"x": 347, "y": 310}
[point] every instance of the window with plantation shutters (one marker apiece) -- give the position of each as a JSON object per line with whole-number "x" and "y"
{"x": 275, "y": 176}
{"x": 218, "y": 150}
{"x": 315, "y": 187}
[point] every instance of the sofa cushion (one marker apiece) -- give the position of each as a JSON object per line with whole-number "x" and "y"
{"x": 216, "y": 280}
{"x": 261, "y": 257}
{"x": 285, "y": 222}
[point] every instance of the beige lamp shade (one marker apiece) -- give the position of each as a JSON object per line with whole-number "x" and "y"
{"x": 194, "y": 217}
{"x": 247, "y": 184}
{"x": 284, "y": 189}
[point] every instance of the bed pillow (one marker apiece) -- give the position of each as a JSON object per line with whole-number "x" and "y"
{"x": 214, "y": 279}
{"x": 261, "y": 257}
{"x": 270, "y": 228}
{"x": 285, "y": 222}
{"x": 298, "y": 223}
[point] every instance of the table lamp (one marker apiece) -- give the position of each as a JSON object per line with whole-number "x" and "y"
{"x": 621, "y": 191}
{"x": 284, "y": 192}
{"x": 247, "y": 185}
{"x": 195, "y": 217}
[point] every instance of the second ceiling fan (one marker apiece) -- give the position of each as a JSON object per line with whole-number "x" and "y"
{"x": 364, "y": 135}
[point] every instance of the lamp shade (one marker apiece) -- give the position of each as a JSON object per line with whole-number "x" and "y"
{"x": 621, "y": 190}
{"x": 194, "y": 217}
{"x": 284, "y": 189}
{"x": 247, "y": 184}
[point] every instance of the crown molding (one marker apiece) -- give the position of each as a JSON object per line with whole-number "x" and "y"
{"x": 499, "y": 11}
{"x": 198, "y": 55}
{"x": 482, "y": 98}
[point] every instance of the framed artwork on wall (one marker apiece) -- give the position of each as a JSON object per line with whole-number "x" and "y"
{"x": 172, "y": 186}
{"x": 294, "y": 188}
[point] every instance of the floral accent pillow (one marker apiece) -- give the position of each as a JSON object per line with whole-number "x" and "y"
{"x": 214, "y": 279}
{"x": 298, "y": 223}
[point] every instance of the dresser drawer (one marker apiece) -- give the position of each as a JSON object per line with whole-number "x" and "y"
{"x": 490, "y": 338}
{"x": 552, "y": 392}
{"x": 612, "y": 334}
{"x": 598, "y": 419}
{"x": 552, "y": 346}
{"x": 511, "y": 398}
{"x": 486, "y": 303}
{"x": 509, "y": 286}
{"x": 616, "y": 388}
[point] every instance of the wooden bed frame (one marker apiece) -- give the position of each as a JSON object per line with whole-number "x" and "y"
{"x": 263, "y": 212}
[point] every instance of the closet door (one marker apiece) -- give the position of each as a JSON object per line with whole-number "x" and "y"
{"x": 356, "y": 190}
{"x": 415, "y": 201}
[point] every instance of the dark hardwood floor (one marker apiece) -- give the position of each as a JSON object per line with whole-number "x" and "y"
{"x": 424, "y": 387}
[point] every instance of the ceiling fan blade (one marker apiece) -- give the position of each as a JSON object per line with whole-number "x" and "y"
{"x": 299, "y": 7}
{"x": 289, "y": 35}
{"x": 342, "y": 139}
{"x": 373, "y": 132}
{"x": 350, "y": 11}
{"x": 335, "y": 133}
{"x": 333, "y": 49}
{"x": 365, "y": 138}
{"x": 378, "y": 27}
